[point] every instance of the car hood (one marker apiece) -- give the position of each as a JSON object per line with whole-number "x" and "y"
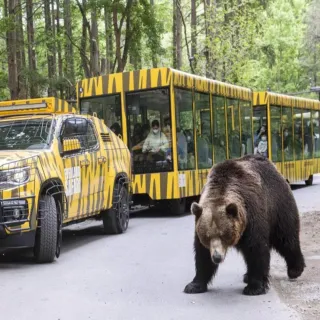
{"x": 7, "y": 157}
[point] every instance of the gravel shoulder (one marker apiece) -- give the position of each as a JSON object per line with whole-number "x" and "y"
{"x": 303, "y": 294}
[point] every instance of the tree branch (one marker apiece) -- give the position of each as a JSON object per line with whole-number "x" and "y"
{"x": 185, "y": 34}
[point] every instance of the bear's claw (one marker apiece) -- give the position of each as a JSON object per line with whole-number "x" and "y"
{"x": 195, "y": 287}
{"x": 254, "y": 291}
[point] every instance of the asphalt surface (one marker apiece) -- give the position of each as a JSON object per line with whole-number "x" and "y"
{"x": 138, "y": 275}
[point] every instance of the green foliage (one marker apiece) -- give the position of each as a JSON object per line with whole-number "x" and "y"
{"x": 255, "y": 43}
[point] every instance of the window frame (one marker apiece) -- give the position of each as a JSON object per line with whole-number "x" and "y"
{"x": 302, "y": 137}
{"x": 292, "y": 135}
{"x": 118, "y": 94}
{"x": 125, "y": 93}
{"x": 225, "y": 133}
{"x": 233, "y": 122}
{"x": 93, "y": 149}
{"x": 195, "y": 92}
{"x": 191, "y": 91}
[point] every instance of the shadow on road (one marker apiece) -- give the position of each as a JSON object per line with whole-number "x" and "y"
{"x": 71, "y": 239}
{"x": 155, "y": 213}
{"x": 301, "y": 186}
{"x": 74, "y": 237}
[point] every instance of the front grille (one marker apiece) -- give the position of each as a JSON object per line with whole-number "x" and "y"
{"x": 13, "y": 212}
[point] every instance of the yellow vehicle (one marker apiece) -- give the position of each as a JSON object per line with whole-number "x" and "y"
{"x": 293, "y": 133}
{"x": 199, "y": 122}
{"x": 57, "y": 168}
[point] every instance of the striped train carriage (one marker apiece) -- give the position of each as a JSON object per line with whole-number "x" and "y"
{"x": 297, "y": 114}
{"x": 175, "y": 185}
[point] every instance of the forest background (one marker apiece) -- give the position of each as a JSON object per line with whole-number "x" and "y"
{"x": 47, "y": 45}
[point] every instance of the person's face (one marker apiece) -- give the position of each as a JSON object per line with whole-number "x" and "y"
{"x": 155, "y": 129}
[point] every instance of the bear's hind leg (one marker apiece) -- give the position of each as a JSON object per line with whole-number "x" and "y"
{"x": 245, "y": 278}
{"x": 205, "y": 269}
{"x": 257, "y": 259}
{"x": 290, "y": 250}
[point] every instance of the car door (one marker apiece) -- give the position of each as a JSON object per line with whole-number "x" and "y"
{"x": 95, "y": 170}
{"x": 75, "y": 165}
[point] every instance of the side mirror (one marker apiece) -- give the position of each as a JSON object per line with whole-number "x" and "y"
{"x": 71, "y": 145}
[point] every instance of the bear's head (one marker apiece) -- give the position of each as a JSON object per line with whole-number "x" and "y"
{"x": 219, "y": 225}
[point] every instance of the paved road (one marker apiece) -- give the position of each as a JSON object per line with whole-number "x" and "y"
{"x": 138, "y": 275}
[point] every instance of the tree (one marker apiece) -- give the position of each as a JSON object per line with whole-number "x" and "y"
{"x": 10, "y": 10}
{"x": 311, "y": 43}
{"x": 32, "y": 83}
{"x": 177, "y": 35}
{"x": 51, "y": 52}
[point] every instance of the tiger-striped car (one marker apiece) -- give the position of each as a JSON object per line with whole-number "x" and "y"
{"x": 57, "y": 168}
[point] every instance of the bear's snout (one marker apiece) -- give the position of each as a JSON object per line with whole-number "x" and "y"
{"x": 216, "y": 257}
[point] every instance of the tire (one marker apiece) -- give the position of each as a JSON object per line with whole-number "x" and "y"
{"x": 177, "y": 207}
{"x": 309, "y": 182}
{"x": 47, "y": 231}
{"x": 116, "y": 219}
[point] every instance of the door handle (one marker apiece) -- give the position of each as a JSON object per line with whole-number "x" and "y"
{"x": 102, "y": 160}
{"x": 84, "y": 163}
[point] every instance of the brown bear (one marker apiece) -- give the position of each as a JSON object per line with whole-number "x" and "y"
{"x": 246, "y": 204}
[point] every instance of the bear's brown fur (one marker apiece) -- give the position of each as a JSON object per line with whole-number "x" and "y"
{"x": 245, "y": 204}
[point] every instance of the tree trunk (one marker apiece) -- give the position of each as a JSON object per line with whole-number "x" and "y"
{"x": 178, "y": 37}
{"x": 50, "y": 48}
{"x": 31, "y": 51}
{"x": 21, "y": 56}
{"x": 194, "y": 32}
{"x": 10, "y": 7}
{"x": 94, "y": 42}
{"x": 109, "y": 40}
{"x": 54, "y": 36}
{"x": 69, "y": 72}
{"x": 60, "y": 72}
{"x": 174, "y": 34}
{"x": 154, "y": 56}
{"x": 84, "y": 38}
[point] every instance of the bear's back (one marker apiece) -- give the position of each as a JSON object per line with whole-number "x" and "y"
{"x": 257, "y": 181}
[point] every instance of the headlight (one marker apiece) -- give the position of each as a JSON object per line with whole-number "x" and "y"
{"x": 20, "y": 176}
{"x": 14, "y": 177}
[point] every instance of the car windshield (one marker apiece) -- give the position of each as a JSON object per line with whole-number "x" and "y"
{"x": 23, "y": 134}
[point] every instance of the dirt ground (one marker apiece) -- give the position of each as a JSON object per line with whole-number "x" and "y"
{"x": 303, "y": 294}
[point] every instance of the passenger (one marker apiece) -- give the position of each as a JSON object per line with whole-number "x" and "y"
{"x": 167, "y": 128}
{"x": 182, "y": 149}
{"x": 145, "y": 130}
{"x": 286, "y": 139}
{"x": 156, "y": 143}
{"x": 203, "y": 151}
{"x": 257, "y": 137}
{"x": 116, "y": 128}
{"x": 308, "y": 137}
{"x": 137, "y": 134}
{"x": 190, "y": 146}
{"x": 263, "y": 145}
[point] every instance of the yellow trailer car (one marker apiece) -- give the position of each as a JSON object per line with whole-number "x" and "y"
{"x": 56, "y": 168}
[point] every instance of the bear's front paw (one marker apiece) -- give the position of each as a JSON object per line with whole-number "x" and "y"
{"x": 295, "y": 273}
{"x": 195, "y": 287}
{"x": 254, "y": 290}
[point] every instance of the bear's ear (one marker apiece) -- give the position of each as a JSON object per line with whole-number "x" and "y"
{"x": 196, "y": 209}
{"x": 232, "y": 210}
